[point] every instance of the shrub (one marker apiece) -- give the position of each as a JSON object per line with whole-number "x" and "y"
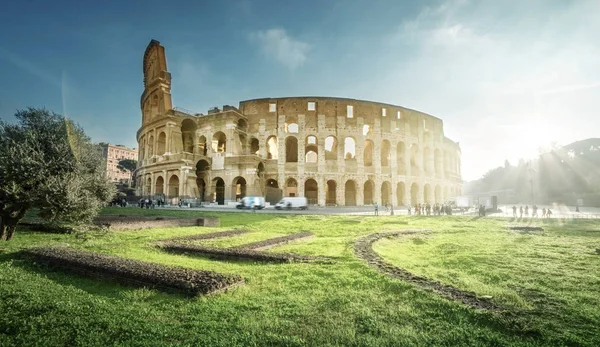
{"x": 133, "y": 272}
{"x": 208, "y": 236}
{"x": 236, "y": 253}
{"x": 275, "y": 241}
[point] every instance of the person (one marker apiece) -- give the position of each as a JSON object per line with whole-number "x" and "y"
{"x": 376, "y": 209}
{"x": 409, "y": 211}
{"x": 521, "y": 211}
{"x": 548, "y": 213}
{"x": 527, "y": 210}
{"x": 534, "y": 211}
{"x": 577, "y": 208}
{"x": 543, "y": 212}
{"x": 147, "y": 203}
{"x": 514, "y": 211}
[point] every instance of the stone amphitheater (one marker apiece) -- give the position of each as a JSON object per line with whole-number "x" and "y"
{"x": 333, "y": 151}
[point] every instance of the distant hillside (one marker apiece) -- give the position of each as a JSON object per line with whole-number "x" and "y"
{"x": 563, "y": 174}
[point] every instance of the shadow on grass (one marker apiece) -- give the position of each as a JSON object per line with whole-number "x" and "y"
{"x": 108, "y": 288}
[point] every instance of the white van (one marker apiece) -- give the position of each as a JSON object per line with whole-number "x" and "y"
{"x": 289, "y": 203}
{"x": 257, "y": 202}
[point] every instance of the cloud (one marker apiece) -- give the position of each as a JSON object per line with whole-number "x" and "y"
{"x": 277, "y": 45}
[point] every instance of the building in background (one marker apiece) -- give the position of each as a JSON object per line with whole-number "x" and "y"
{"x": 113, "y": 154}
{"x": 333, "y": 151}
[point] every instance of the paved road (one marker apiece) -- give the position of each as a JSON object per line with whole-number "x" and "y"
{"x": 558, "y": 211}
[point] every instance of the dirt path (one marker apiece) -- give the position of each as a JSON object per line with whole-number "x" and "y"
{"x": 363, "y": 248}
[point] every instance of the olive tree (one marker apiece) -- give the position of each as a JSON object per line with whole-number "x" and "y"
{"x": 48, "y": 163}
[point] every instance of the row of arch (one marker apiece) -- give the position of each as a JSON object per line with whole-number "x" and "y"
{"x": 216, "y": 191}
{"x": 432, "y": 161}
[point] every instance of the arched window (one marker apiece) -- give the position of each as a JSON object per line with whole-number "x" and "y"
{"x": 272, "y": 147}
{"x": 219, "y": 143}
{"x": 331, "y": 148}
{"x": 368, "y": 153}
{"x": 291, "y": 149}
{"x": 188, "y": 131}
{"x": 311, "y": 149}
{"x": 161, "y": 144}
{"x": 349, "y": 148}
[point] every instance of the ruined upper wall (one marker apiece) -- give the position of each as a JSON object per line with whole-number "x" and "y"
{"x": 371, "y": 112}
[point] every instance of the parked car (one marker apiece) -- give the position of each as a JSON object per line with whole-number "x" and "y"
{"x": 257, "y": 202}
{"x": 290, "y": 203}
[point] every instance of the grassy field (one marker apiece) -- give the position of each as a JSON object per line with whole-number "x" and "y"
{"x": 547, "y": 283}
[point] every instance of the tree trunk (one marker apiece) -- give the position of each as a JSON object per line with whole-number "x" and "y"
{"x": 8, "y": 224}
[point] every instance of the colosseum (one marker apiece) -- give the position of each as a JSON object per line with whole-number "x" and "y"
{"x": 333, "y": 151}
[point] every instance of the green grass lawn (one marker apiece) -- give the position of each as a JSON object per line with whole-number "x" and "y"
{"x": 546, "y": 282}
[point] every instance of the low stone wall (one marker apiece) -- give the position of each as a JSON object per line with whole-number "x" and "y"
{"x": 123, "y": 222}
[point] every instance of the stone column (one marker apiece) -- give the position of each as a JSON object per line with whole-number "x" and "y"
{"x": 322, "y": 182}
{"x": 360, "y": 196}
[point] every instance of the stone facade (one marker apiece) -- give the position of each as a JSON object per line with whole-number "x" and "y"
{"x": 334, "y": 151}
{"x": 113, "y": 154}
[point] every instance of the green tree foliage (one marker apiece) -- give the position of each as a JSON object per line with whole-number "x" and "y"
{"x": 128, "y": 165}
{"x": 47, "y": 162}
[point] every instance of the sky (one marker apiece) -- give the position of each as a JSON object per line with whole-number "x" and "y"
{"x": 506, "y": 77}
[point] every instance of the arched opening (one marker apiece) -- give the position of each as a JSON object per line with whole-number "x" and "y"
{"x": 311, "y": 191}
{"x": 159, "y": 186}
{"x": 202, "y": 168}
{"x": 218, "y": 194}
{"x": 291, "y": 149}
{"x": 438, "y": 195}
{"x": 161, "y": 144}
{"x": 150, "y": 146}
{"x": 148, "y": 186}
{"x": 242, "y": 124}
{"x": 414, "y": 194}
{"x": 311, "y": 149}
{"x": 202, "y": 148}
{"x": 201, "y": 183}
{"x": 385, "y": 153}
{"x": 272, "y": 191}
{"x": 386, "y": 193}
{"x": 291, "y": 187}
{"x": 414, "y": 160}
{"x": 239, "y": 188}
{"x": 174, "y": 186}
{"x": 437, "y": 160}
{"x": 427, "y": 160}
{"x": 369, "y": 192}
{"x": 400, "y": 158}
{"x": 331, "y": 148}
{"x": 272, "y": 147}
{"x": 188, "y": 131}
{"x": 368, "y": 153}
{"x": 427, "y": 194}
{"x": 400, "y": 190}
{"x": 330, "y": 197}
{"x": 219, "y": 142}
{"x": 350, "y": 193}
{"x": 349, "y": 148}
{"x": 254, "y": 146}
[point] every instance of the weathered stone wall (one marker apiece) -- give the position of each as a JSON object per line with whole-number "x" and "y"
{"x": 400, "y": 156}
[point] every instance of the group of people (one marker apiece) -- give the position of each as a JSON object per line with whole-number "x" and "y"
{"x": 151, "y": 203}
{"x": 428, "y": 209}
{"x": 546, "y": 212}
